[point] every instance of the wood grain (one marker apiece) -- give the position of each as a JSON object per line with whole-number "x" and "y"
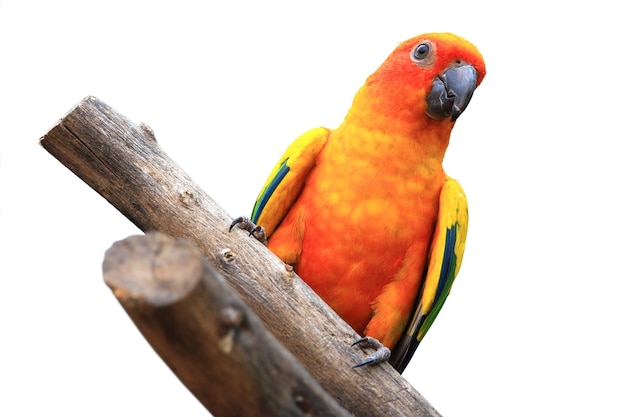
{"x": 124, "y": 163}
{"x": 206, "y": 334}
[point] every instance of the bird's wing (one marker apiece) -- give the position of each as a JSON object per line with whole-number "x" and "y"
{"x": 285, "y": 183}
{"x": 445, "y": 256}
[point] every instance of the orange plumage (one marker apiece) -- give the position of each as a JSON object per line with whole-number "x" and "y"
{"x": 356, "y": 209}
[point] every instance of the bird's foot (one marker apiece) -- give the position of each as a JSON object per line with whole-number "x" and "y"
{"x": 382, "y": 353}
{"x": 246, "y": 224}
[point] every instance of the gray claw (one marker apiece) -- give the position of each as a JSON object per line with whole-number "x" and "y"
{"x": 246, "y": 224}
{"x": 382, "y": 353}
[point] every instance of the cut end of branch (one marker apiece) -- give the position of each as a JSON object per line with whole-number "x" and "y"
{"x": 168, "y": 278}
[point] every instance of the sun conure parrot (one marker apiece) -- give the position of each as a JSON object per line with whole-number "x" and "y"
{"x": 364, "y": 212}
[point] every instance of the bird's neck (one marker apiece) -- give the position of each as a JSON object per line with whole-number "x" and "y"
{"x": 381, "y": 121}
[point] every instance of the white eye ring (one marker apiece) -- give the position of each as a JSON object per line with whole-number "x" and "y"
{"x": 424, "y": 54}
{"x": 420, "y": 52}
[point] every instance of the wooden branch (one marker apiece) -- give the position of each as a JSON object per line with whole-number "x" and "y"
{"x": 206, "y": 334}
{"x": 123, "y": 162}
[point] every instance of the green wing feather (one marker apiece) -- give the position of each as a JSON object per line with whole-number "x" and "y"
{"x": 446, "y": 254}
{"x": 286, "y": 180}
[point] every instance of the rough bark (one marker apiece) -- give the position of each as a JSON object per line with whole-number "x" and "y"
{"x": 206, "y": 334}
{"x": 123, "y": 162}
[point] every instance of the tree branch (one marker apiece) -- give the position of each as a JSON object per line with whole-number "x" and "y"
{"x": 123, "y": 162}
{"x": 206, "y": 334}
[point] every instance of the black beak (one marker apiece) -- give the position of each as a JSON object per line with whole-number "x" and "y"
{"x": 451, "y": 92}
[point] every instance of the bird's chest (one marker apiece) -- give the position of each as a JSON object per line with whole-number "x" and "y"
{"x": 364, "y": 209}
{"x": 384, "y": 190}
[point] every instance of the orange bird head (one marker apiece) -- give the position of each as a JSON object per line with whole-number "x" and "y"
{"x": 433, "y": 74}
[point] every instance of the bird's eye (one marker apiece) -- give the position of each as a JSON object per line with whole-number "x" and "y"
{"x": 420, "y": 52}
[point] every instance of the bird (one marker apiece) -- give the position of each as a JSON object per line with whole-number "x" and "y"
{"x": 364, "y": 212}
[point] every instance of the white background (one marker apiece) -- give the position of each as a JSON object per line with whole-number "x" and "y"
{"x": 535, "y": 324}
